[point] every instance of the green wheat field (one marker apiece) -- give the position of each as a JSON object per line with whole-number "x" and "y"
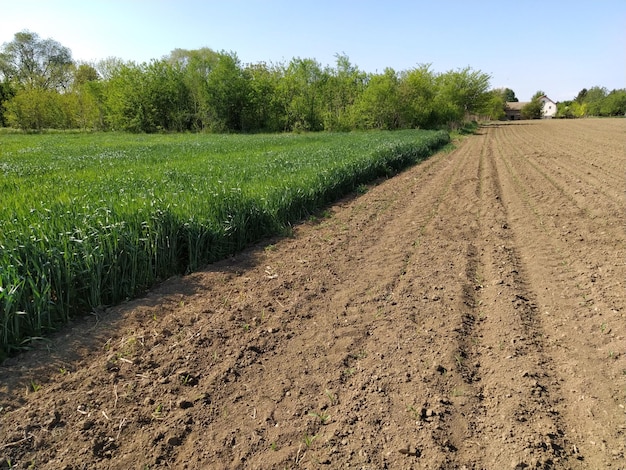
{"x": 89, "y": 220}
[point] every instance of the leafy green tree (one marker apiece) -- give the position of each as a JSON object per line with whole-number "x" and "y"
{"x": 197, "y": 65}
{"x": 147, "y": 98}
{"x": 597, "y": 101}
{"x": 86, "y": 99}
{"x": 33, "y": 72}
{"x": 594, "y": 99}
{"x": 580, "y": 98}
{"x": 564, "y": 109}
{"x": 264, "y": 111}
{"x": 571, "y": 109}
{"x": 6, "y": 93}
{"x": 495, "y": 108}
{"x": 379, "y": 105}
{"x": 461, "y": 95}
{"x": 345, "y": 84}
{"x": 167, "y": 97}
{"x": 579, "y": 109}
{"x": 124, "y": 104}
{"x": 614, "y": 104}
{"x": 301, "y": 91}
{"x": 84, "y": 73}
{"x": 227, "y": 93}
{"x": 107, "y": 68}
{"x": 207, "y": 90}
{"x": 509, "y": 96}
{"x": 40, "y": 108}
{"x": 32, "y": 62}
{"x": 534, "y": 109}
{"x": 417, "y": 92}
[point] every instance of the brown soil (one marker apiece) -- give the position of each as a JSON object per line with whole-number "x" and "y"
{"x": 469, "y": 313}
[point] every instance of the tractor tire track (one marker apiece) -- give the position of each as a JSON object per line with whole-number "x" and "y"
{"x": 569, "y": 251}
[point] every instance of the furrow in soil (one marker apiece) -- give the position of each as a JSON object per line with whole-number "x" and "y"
{"x": 576, "y": 271}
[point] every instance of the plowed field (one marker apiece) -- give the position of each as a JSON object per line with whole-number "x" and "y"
{"x": 469, "y": 313}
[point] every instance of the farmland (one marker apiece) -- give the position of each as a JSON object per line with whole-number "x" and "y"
{"x": 90, "y": 220}
{"x": 468, "y": 312}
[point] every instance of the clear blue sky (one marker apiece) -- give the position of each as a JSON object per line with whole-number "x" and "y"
{"x": 558, "y": 46}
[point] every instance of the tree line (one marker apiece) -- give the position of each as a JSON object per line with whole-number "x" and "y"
{"x": 205, "y": 90}
{"x": 41, "y": 87}
{"x": 595, "y": 101}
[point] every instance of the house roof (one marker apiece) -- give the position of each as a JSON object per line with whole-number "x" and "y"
{"x": 516, "y": 105}
{"x": 547, "y": 99}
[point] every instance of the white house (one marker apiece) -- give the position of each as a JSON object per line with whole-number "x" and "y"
{"x": 549, "y": 107}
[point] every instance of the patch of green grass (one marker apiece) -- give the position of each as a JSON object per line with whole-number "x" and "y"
{"x": 323, "y": 417}
{"x": 157, "y": 413}
{"x": 361, "y": 189}
{"x": 331, "y": 396}
{"x": 308, "y": 440}
{"x": 415, "y": 412}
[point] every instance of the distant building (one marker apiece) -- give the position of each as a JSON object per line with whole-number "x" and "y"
{"x": 513, "y": 109}
{"x": 549, "y": 107}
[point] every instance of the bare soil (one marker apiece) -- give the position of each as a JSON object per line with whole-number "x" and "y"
{"x": 469, "y": 313}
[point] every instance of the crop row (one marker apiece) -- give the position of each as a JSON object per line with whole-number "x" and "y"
{"x": 90, "y": 220}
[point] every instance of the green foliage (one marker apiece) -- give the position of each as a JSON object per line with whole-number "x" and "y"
{"x": 204, "y": 90}
{"x": 571, "y": 109}
{"x": 533, "y": 109}
{"x": 597, "y": 101}
{"x": 564, "y": 109}
{"x": 264, "y": 110}
{"x": 594, "y": 98}
{"x": 123, "y": 211}
{"x": 509, "y": 95}
{"x": 196, "y": 66}
{"x": 495, "y": 107}
{"x": 462, "y": 93}
{"x": 123, "y": 98}
{"x": 417, "y": 91}
{"x": 614, "y": 104}
{"x": 496, "y": 103}
{"x": 301, "y": 91}
{"x": 538, "y": 94}
{"x": 32, "y": 62}
{"x": 379, "y": 105}
{"x": 226, "y": 94}
{"x": 6, "y": 93}
{"x": 344, "y": 85}
{"x": 89, "y": 105}
{"x": 84, "y": 74}
{"x": 146, "y": 98}
{"x": 39, "y": 108}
